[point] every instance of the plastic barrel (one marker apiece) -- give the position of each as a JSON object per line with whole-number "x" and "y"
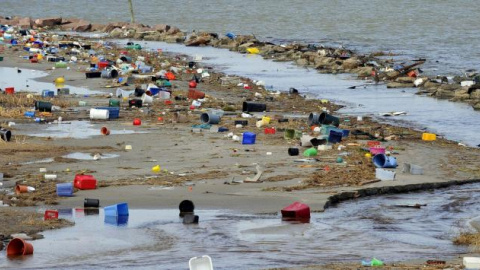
{"x": 327, "y": 119}
{"x": 209, "y": 118}
{"x": 253, "y": 107}
{"x": 5, "y": 134}
{"x": 91, "y": 202}
{"x": 43, "y": 106}
{"x": 384, "y": 161}
{"x": 99, "y": 114}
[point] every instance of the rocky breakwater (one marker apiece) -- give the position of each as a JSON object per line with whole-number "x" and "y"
{"x": 375, "y": 67}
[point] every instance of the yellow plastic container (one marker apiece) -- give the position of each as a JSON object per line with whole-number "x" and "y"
{"x": 253, "y": 50}
{"x": 156, "y": 169}
{"x": 429, "y": 137}
{"x": 266, "y": 120}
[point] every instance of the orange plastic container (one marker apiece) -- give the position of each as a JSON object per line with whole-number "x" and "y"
{"x": 50, "y": 214}
{"x": 21, "y": 189}
{"x": 17, "y": 247}
{"x": 195, "y": 94}
{"x": 429, "y": 137}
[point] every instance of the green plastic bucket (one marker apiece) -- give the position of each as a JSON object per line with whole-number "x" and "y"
{"x": 114, "y": 103}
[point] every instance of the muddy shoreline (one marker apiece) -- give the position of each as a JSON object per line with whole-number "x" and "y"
{"x": 201, "y": 166}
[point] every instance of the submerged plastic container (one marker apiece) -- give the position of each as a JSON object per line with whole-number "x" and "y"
{"x": 65, "y": 189}
{"x": 384, "y": 161}
{"x": 200, "y": 263}
{"x": 249, "y": 138}
{"x": 115, "y": 210}
{"x": 85, "y": 182}
{"x": 296, "y": 210}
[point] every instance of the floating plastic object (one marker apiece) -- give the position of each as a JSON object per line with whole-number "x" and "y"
{"x": 85, "y": 182}
{"x": 99, "y": 114}
{"x": 296, "y": 210}
{"x": 50, "y": 176}
{"x": 313, "y": 119}
{"x": 115, "y": 210}
{"x": 253, "y": 50}
{"x": 270, "y": 130}
{"x": 50, "y": 214}
{"x": 186, "y": 207}
{"x": 109, "y": 73}
{"x": 91, "y": 202}
{"x": 60, "y": 65}
{"x": 384, "y": 161}
{"x": 156, "y": 169}
{"x": 18, "y": 247}
{"x": 65, "y": 190}
{"x": 200, "y": 263}
{"x": 429, "y": 137}
{"x": 230, "y": 35}
{"x": 310, "y": 152}
{"x": 138, "y": 103}
{"x": 116, "y": 220}
{"x": 324, "y": 147}
{"x": 192, "y": 84}
{"x": 63, "y": 91}
{"x": 249, "y": 138}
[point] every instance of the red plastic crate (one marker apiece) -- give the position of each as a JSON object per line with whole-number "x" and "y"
{"x": 85, "y": 182}
{"x": 50, "y": 214}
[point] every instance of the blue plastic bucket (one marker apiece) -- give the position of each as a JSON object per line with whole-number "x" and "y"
{"x": 335, "y": 136}
{"x": 154, "y": 91}
{"x": 117, "y": 221}
{"x": 65, "y": 189}
{"x": 249, "y": 138}
{"x": 384, "y": 161}
{"x": 115, "y": 210}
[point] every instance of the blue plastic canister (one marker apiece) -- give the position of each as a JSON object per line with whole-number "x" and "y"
{"x": 65, "y": 189}
{"x": 249, "y": 138}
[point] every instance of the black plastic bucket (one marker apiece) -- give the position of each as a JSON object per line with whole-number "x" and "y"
{"x": 253, "y": 107}
{"x": 135, "y": 102}
{"x": 5, "y": 134}
{"x": 327, "y": 119}
{"x": 139, "y": 92}
{"x": 91, "y": 203}
{"x": 186, "y": 207}
{"x": 293, "y": 151}
{"x": 43, "y": 106}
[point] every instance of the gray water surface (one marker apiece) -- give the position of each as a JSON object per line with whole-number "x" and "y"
{"x": 352, "y": 231}
{"x": 445, "y": 32}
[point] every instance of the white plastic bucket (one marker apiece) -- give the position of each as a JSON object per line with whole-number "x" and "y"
{"x": 164, "y": 95}
{"x": 146, "y": 99}
{"x": 200, "y": 263}
{"x": 99, "y": 114}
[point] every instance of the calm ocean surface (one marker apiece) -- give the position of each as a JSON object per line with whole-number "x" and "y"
{"x": 447, "y": 33}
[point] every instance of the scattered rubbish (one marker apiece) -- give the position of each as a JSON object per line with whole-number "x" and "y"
{"x": 91, "y": 203}
{"x": 195, "y": 94}
{"x": 190, "y": 219}
{"x": 310, "y": 152}
{"x": 43, "y": 170}
{"x": 50, "y": 176}
{"x": 19, "y": 189}
{"x": 156, "y": 169}
{"x": 384, "y": 161}
{"x": 65, "y": 189}
{"x": 253, "y": 50}
{"x": 305, "y": 141}
{"x": 471, "y": 262}
{"x": 253, "y": 107}
{"x": 113, "y": 112}
{"x": 293, "y": 151}
{"x": 324, "y": 147}
{"x": 105, "y": 131}
{"x": 210, "y": 118}
{"x": 335, "y": 137}
{"x": 326, "y": 119}
{"x": 412, "y": 169}
{"x": 256, "y": 178}
{"x": 18, "y": 247}
{"x": 5, "y": 134}
{"x": 248, "y": 138}
{"x": 137, "y": 122}
{"x": 201, "y": 263}
{"x": 384, "y": 175}
{"x": 128, "y": 147}
{"x": 85, "y": 182}
{"x": 120, "y": 209}
{"x": 377, "y": 150}
{"x": 296, "y": 211}
{"x": 429, "y": 137}
{"x": 50, "y": 214}
{"x": 436, "y": 262}
{"x": 373, "y": 262}
{"x": 186, "y": 207}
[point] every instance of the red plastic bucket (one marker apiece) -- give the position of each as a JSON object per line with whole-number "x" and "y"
{"x": 9, "y": 90}
{"x": 17, "y": 247}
